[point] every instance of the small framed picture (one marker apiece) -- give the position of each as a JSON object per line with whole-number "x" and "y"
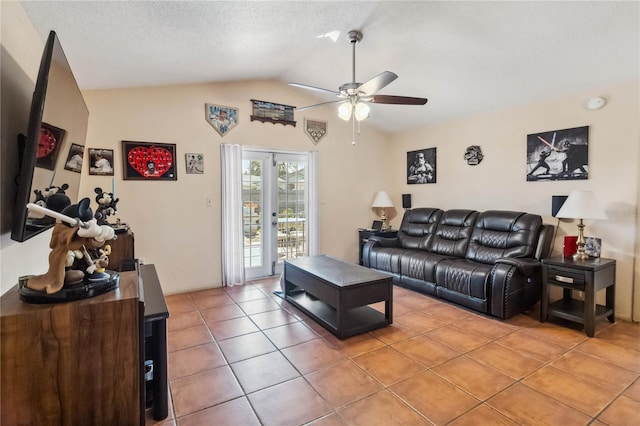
{"x": 100, "y": 162}
{"x": 149, "y": 161}
{"x": 194, "y": 163}
{"x": 421, "y": 166}
{"x": 222, "y": 118}
{"x": 49, "y": 146}
{"x": 592, "y": 246}
{"x": 75, "y": 158}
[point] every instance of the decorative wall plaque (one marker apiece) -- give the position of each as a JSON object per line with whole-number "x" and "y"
{"x": 222, "y": 118}
{"x": 473, "y": 155}
{"x": 315, "y": 129}
{"x": 269, "y": 112}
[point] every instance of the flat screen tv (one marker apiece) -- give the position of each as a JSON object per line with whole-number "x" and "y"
{"x": 57, "y": 131}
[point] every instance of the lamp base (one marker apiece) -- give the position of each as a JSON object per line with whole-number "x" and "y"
{"x": 580, "y": 256}
{"x": 383, "y": 217}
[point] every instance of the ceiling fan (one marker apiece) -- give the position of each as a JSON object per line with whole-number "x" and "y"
{"x": 353, "y": 97}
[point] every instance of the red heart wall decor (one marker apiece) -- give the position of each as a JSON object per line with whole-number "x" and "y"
{"x": 46, "y": 144}
{"x": 150, "y": 161}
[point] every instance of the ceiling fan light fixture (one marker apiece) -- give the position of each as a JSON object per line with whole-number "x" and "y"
{"x": 362, "y": 111}
{"x": 345, "y": 110}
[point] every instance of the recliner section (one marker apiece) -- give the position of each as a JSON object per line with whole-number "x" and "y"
{"x": 487, "y": 261}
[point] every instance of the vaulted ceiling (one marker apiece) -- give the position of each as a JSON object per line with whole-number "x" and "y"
{"x": 466, "y": 57}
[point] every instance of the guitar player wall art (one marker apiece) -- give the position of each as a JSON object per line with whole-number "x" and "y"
{"x": 149, "y": 161}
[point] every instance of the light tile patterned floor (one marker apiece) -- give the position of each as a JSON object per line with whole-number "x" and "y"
{"x": 242, "y": 356}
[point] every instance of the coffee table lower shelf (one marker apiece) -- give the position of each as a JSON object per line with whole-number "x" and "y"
{"x": 357, "y": 321}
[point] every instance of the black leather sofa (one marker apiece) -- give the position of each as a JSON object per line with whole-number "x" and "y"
{"x": 487, "y": 261}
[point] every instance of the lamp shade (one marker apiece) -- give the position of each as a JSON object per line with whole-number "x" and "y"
{"x": 361, "y": 111}
{"x": 581, "y": 205}
{"x": 344, "y": 111}
{"x": 382, "y": 200}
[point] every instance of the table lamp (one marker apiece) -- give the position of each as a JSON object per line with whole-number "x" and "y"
{"x": 581, "y": 205}
{"x": 382, "y": 201}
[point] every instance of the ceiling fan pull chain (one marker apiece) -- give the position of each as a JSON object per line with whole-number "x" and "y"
{"x": 353, "y": 120}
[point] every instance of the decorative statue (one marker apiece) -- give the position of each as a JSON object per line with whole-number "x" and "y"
{"x": 75, "y": 238}
{"x": 107, "y": 205}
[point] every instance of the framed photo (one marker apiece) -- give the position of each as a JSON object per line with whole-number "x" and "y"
{"x": 222, "y": 118}
{"x": 421, "y": 166}
{"x": 558, "y": 155}
{"x": 100, "y": 162}
{"x": 49, "y": 146}
{"x": 149, "y": 161}
{"x": 75, "y": 158}
{"x": 592, "y": 246}
{"x": 194, "y": 163}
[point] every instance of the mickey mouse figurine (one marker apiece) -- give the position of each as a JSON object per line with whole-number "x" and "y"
{"x": 106, "y": 205}
{"x": 78, "y": 232}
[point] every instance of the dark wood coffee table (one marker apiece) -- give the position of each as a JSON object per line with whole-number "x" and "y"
{"x": 336, "y": 294}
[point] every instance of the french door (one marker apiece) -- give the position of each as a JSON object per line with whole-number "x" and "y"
{"x": 275, "y": 210}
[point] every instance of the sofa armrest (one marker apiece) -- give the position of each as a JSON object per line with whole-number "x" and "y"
{"x": 385, "y": 241}
{"x": 524, "y": 266}
{"x": 515, "y": 286}
{"x": 376, "y": 242}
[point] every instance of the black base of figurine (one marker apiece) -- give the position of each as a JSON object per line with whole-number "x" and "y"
{"x": 87, "y": 289}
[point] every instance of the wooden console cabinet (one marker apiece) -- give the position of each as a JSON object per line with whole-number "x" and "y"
{"x": 122, "y": 250}
{"x": 82, "y": 362}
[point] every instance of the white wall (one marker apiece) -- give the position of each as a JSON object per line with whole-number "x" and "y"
{"x": 499, "y": 181}
{"x": 173, "y": 227}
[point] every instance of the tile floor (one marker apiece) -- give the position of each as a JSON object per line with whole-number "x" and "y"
{"x": 242, "y": 356}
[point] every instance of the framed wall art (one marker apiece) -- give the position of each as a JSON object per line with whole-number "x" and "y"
{"x": 421, "y": 166}
{"x": 100, "y": 162}
{"x": 49, "y": 146}
{"x": 149, "y": 161}
{"x": 194, "y": 163}
{"x": 222, "y": 118}
{"x": 558, "y": 155}
{"x": 75, "y": 158}
{"x": 271, "y": 112}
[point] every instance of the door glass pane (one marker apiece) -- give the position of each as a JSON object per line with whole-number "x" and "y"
{"x": 291, "y": 208}
{"x": 252, "y": 206}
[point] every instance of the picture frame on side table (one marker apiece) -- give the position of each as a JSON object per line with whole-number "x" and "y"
{"x": 592, "y": 246}
{"x": 149, "y": 161}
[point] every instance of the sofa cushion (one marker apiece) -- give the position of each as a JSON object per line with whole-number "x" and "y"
{"x": 500, "y": 233}
{"x": 417, "y": 228}
{"x": 465, "y": 282}
{"x": 452, "y": 234}
{"x": 420, "y": 264}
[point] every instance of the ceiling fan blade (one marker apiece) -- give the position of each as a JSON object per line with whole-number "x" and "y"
{"x": 317, "y": 105}
{"x": 398, "y": 100}
{"x": 317, "y": 89}
{"x": 376, "y": 83}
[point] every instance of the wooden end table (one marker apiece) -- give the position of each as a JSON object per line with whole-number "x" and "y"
{"x": 588, "y": 276}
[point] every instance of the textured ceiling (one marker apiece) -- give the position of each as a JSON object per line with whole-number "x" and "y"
{"x": 466, "y": 57}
